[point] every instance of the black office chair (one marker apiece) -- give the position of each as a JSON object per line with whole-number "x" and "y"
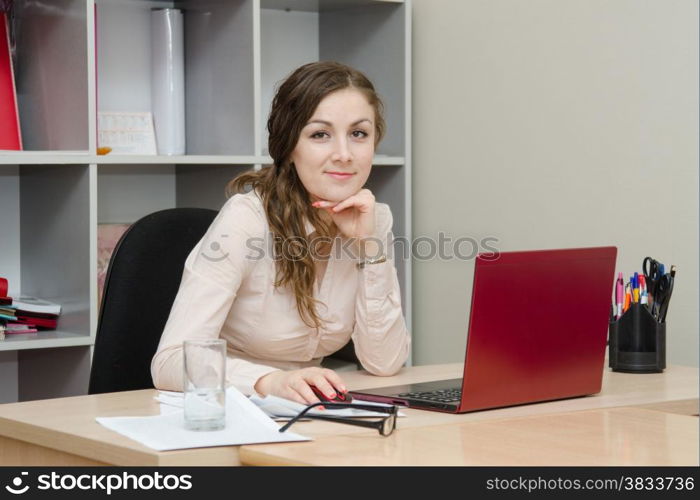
{"x": 142, "y": 280}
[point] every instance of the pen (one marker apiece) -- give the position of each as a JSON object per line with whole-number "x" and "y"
{"x": 619, "y": 294}
{"x": 644, "y": 297}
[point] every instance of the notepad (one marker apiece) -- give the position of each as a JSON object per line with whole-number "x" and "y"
{"x": 284, "y": 408}
{"x": 274, "y": 407}
{"x": 126, "y": 132}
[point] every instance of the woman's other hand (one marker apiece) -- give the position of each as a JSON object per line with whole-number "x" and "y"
{"x": 295, "y": 384}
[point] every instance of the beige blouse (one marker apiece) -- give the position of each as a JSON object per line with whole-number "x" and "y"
{"x": 227, "y": 291}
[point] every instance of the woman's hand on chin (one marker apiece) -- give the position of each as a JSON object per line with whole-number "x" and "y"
{"x": 354, "y": 216}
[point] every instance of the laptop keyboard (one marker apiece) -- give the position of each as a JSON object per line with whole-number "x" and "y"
{"x": 441, "y": 395}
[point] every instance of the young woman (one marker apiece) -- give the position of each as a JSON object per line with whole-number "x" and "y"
{"x": 297, "y": 262}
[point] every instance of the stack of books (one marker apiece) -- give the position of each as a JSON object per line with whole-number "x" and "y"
{"x": 34, "y": 312}
{"x": 27, "y": 315}
{"x": 4, "y": 301}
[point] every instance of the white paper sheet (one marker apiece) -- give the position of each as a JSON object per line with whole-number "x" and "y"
{"x": 245, "y": 424}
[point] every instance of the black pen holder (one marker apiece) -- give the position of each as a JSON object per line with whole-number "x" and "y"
{"x": 637, "y": 342}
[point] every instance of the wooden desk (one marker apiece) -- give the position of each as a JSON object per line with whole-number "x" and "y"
{"x": 615, "y": 436}
{"x": 64, "y": 431}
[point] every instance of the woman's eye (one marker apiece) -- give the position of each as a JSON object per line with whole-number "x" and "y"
{"x": 359, "y": 134}
{"x": 319, "y": 135}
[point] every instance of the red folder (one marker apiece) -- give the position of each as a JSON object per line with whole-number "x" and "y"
{"x": 10, "y": 134}
{"x": 41, "y": 322}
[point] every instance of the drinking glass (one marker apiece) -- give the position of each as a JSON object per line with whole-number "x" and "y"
{"x": 204, "y": 371}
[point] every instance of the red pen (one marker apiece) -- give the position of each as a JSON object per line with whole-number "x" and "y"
{"x": 644, "y": 298}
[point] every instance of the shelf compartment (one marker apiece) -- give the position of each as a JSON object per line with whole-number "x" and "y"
{"x": 46, "y": 208}
{"x": 44, "y": 368}
{"x": 51, "y": 74}
{"x": 219, "y": 94}
{"x": 363, "y": 34}
{"x": 204, "y": 186}
{"x": 126, "y": 193}
{"x": 54, "y": 225}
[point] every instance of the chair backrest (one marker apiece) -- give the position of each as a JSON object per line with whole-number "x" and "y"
{"x": 142, "y": 280}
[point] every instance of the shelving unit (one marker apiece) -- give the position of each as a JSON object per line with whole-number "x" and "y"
{"x": 75, "y": 57}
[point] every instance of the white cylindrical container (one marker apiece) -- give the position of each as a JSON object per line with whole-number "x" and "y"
{"x": 168, "y": 80}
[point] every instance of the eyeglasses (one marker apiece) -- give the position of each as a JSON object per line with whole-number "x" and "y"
{"x": 385, "y": 426}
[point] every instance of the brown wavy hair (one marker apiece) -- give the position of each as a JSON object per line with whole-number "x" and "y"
{"x": 286, "y": 201}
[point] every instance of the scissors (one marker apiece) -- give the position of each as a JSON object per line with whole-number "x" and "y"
{"x": 653, "y": 271}
{"x": 662, "y": 297}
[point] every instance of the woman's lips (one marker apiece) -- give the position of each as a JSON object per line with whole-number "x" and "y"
{"x": 340, "y": 175}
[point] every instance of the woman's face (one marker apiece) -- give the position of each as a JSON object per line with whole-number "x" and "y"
{"x": 333, "y": 156}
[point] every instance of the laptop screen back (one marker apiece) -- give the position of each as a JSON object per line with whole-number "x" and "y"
{"x": 538, "y": 326}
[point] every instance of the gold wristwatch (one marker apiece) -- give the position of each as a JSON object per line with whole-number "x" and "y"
{"x": 378, "y": 260}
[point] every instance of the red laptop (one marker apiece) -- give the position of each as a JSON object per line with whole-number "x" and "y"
{"x": 537, "y": 332}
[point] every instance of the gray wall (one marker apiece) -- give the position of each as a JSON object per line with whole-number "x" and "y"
{"x": 554, "y": 123}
